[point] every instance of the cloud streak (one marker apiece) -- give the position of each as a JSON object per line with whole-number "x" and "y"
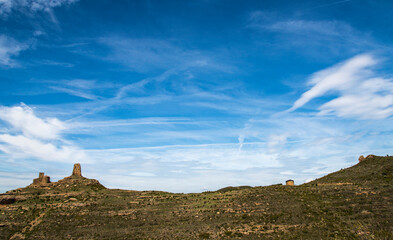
{"x": 320, "y": 39}
{"x": 142, "y": 55}
{"x": 362, "y": 93}
{"x": 10, "y": 48}
{"x": 339, "y": 77}
{"x": 7, "y": 6}
{"x": 22, "y": 146}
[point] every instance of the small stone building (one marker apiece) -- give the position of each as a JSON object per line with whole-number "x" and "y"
{"x": 42, "y": 179}
{"x": 290, "y": 182}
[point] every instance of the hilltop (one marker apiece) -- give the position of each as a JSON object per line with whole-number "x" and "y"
{"x": 353, "y": 203}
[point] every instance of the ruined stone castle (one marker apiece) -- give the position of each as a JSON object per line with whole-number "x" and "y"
{"x": 44, "y": 180}
{"x": 41, "y": 180}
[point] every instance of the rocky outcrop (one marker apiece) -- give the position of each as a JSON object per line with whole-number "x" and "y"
{"x": 371, "y": 156}
{"x": 77, "y": 182}
{"x": 362, "y": 158}
{"x": 7, "y": 199}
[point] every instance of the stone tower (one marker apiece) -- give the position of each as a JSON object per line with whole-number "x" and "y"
{"x": 361, "y": 158}
{"x": 77, "y": 170}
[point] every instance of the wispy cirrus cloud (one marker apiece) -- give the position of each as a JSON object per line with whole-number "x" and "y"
{"x": 318, "y": 38}
{"x": 306, "y": 27}
{"x": 75, "y": 92}
{"x": 7, "y": 6}
{"x": 130, "y": 122}
{"x": 176, "y": 69}
{"x": 143, "y": 55}
{"x": 84, "y": 88}
{"x": 340, "y": 77}
{"x": 270, "y": 21}
{"x": 362, "y": 93}
{"x": 10, "y": 48}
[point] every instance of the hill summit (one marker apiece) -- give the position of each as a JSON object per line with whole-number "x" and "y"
{"x": 75, "y": 181}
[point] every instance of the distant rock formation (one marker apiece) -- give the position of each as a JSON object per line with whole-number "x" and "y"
{"x": 371, "y": 156}
{"x": 41, "y": 180}
{"x": 77, "y": 170}
{"x": 362, "y": 158}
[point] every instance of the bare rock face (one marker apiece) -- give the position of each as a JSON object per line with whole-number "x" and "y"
{"x": 371, "y": 156}
{"x": 7, "y": 199}
{"x": 77, "y": 170}
{"x": 362, "y": 158}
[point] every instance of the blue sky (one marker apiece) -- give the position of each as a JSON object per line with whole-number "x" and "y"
{"x": 189, "y": 96}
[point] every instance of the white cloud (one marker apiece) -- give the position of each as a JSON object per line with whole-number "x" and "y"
{"x": 83, "y": 88}
{"x": 74, "y": 92}
{"x": 33, "y": 137}
{"x": 340, "y": 77}
{"x": 361, "y": 93}
{"x": 145, "y": 55}
{"x": 270, "y": 21}
{"x": 320, "y": 39}
{"x": 111, "y": 124}
{"x": 205, "y": 156}
{"x": 304, "y": 27}
{"x": 38, "y": 33}
{"x": 289, "y": 146}
{"x": 7, "y": 6}
{"x": 142, "y": 174}
{"x": 23, "y": 119}
{"x": 10, "y": 48}
{"x": 304, "y": 148}
{"x": 21, "y": 146}
{"x": 370, "y": 106}
{"x": 295, "y": 27}
{"x": 212, "y": 166}
{"x": 198, "y": 167}
{"x": 291, "y": 173}
{"x": 277, "y": 141}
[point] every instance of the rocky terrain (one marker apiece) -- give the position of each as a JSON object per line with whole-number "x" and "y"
{"x": 354, "y": 203}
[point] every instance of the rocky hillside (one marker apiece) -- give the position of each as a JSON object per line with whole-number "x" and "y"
{"x": 354, "y": 203}
{"x": 372, "y": 170}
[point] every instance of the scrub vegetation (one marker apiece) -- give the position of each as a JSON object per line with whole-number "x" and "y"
{"x": 353, "y": 203}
